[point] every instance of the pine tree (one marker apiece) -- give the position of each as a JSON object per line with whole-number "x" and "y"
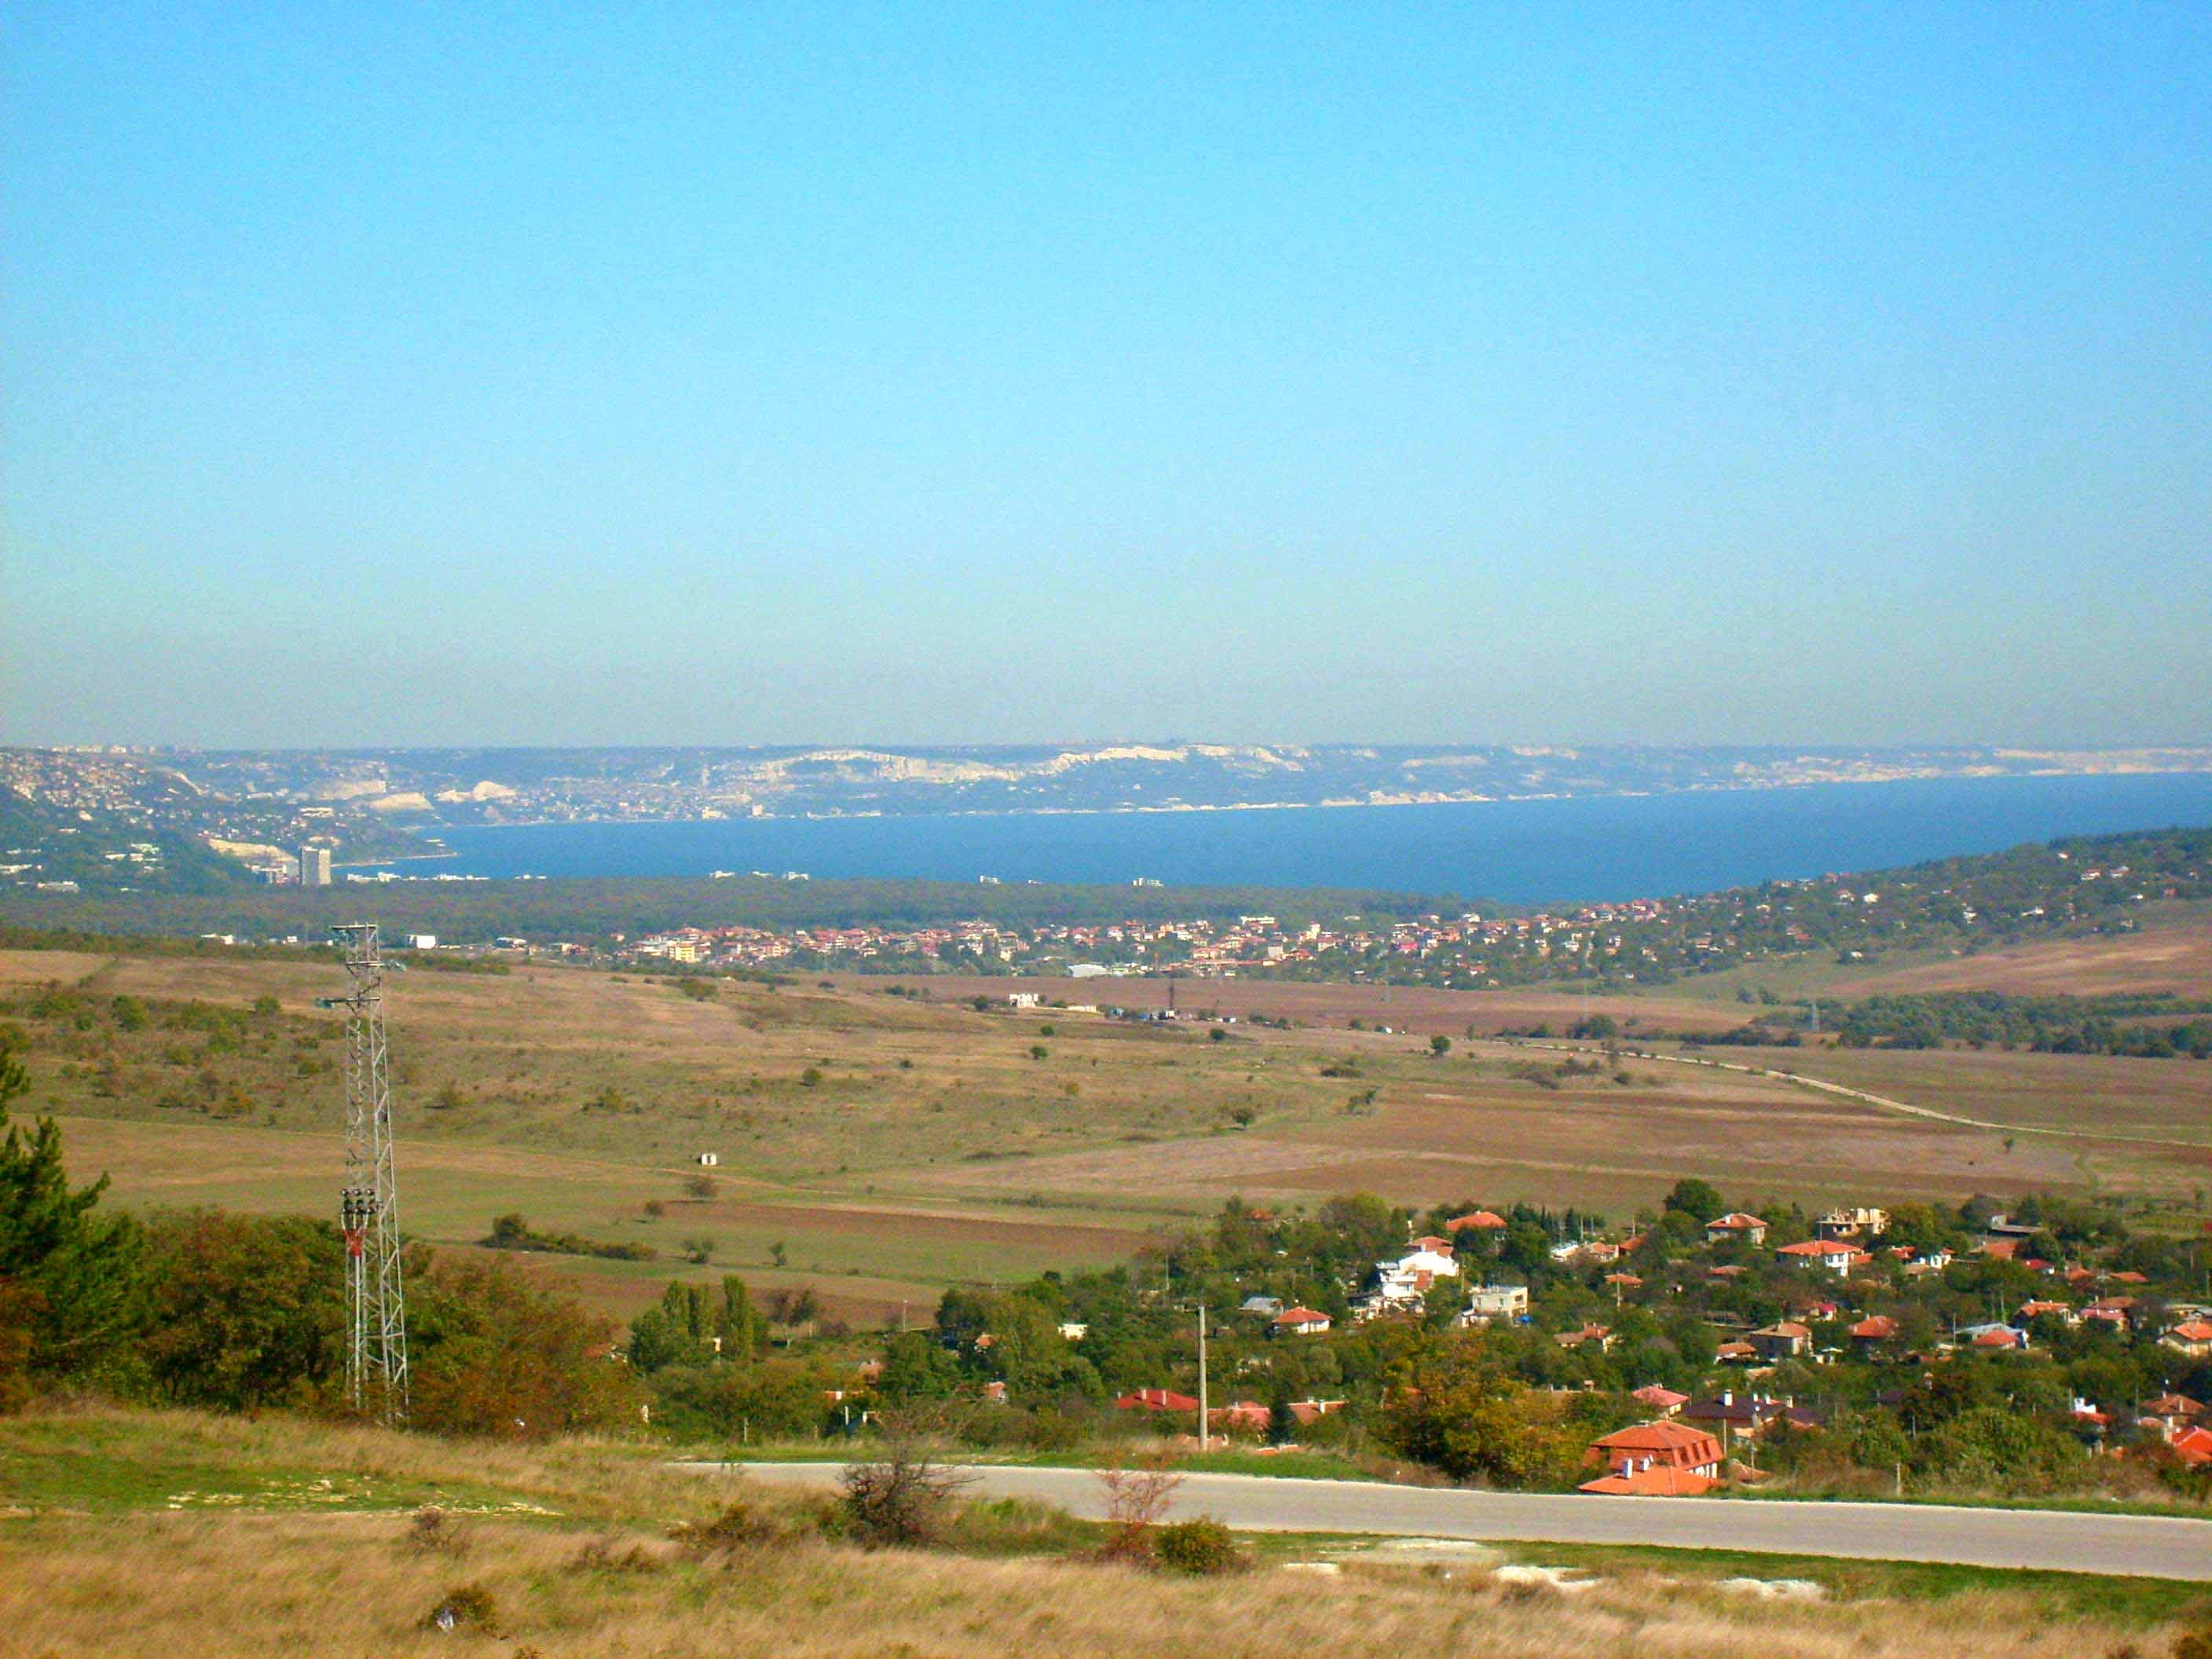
{"x": 70, "y": 1288}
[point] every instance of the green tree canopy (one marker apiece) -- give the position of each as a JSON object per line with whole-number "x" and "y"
{"x": 248, "y": 1310}
{"x": 70, "y": 1292}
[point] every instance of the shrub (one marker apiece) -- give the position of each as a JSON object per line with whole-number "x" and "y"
{"x": 465, "y": 1607}
{"x": 432, "y": 1529}
{"x": 1203, "y": 1548}
{"x": 247, "y": 1309}
{"x": 735, "y": 1526}
{"x": 1136, "y": 1499}
{"x": 600, "y": 1555}
{"x": 496, "y": 1353}
{"x": 903, "y": 1501}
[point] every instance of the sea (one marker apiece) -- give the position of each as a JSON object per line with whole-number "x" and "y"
{"x": 1581, "y": 850}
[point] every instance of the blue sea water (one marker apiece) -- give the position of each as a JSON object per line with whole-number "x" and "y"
{"x": 1519, "y": 851}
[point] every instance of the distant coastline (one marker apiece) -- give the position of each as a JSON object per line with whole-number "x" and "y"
{"x": 1521, "y": 849}
{"x": 1468, "y": 797}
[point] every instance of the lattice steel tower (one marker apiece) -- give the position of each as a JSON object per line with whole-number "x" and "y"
{"x": 368, "y": 1204}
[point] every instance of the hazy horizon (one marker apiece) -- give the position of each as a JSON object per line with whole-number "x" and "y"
{"x": 1123, "y": 740}
{"x": 697, "y": 376}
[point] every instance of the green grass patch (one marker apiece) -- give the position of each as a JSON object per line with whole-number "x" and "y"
{"x": 1295, "y": 1464}
{"x": 105, "y": 1466}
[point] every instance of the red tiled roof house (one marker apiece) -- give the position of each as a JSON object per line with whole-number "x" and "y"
{"x": 1655, "y": 1459}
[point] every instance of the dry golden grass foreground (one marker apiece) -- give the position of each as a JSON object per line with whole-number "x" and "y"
{"x": 189, "y": 1536}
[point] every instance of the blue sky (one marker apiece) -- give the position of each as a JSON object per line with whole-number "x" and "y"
{"x": 752, "y": 373}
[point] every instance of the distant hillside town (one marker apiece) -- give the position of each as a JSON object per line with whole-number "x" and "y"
{"x": 256, "y": 808}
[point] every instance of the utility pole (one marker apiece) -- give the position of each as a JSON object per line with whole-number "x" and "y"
{"x": 1204, "y": 1438}
{"x": 368, "y": 1203}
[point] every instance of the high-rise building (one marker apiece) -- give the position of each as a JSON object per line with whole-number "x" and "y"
{"x": 314, "y": 866}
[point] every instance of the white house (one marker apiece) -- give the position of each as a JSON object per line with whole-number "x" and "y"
{"x": 1488, "y": 1302}
{"x": 1438, "y": 1264}
{"x": 1733, "y": 1225}
{"x": 1856, "y": 1222}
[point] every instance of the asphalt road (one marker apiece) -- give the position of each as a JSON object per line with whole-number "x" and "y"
{"x": 2156, "y": 1546}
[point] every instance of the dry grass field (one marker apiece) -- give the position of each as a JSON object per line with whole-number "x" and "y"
{"x": 2158, "y": 1113}
{"x": 877, "y": 1149}
{"x": 186, "y": 1537}
{"x": 1441, "y": 1130}
{"x": 2172, "y": 955}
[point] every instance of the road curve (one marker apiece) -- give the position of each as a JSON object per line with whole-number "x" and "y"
{"x": 2156, "y": 1546}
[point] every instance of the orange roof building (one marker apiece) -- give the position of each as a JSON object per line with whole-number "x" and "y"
{"x": 1478, "y": 1221}
{"x": 1664, "y": 1400}
{"x": 2194, "y": 1447}
{"x": 1664, "y": 1459}
{"x": 1656, "y": 1482}
{"x": 1155, "y": 1399}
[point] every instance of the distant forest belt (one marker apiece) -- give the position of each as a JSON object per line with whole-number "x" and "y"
{"x": 1883, "y": 1101}
{"x": 590, "y": 907}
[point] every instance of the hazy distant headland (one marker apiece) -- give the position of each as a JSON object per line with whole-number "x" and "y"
{"x": 488, "y": 786}
{"x": 176, "y": 819}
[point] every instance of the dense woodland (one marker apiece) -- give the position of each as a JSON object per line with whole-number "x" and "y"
{"x": 2153, "y": 1027}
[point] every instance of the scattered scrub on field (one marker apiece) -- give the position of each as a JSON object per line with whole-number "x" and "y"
{"x": 605, "y": 1555}
{"x": 512, "y": 1231}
